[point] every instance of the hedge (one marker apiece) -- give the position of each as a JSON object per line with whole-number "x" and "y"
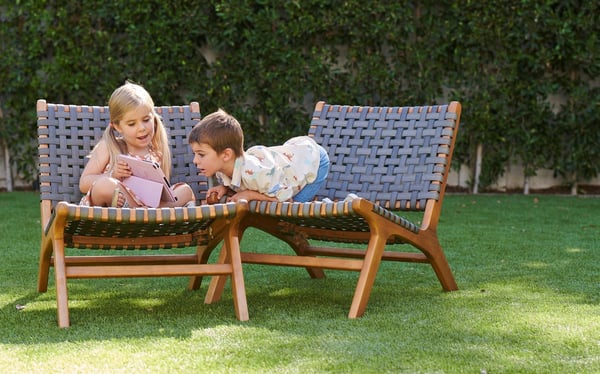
{"x": 267, "y": 62}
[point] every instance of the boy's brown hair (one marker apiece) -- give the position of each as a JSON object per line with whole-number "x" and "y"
{"x": 220, "y": 131}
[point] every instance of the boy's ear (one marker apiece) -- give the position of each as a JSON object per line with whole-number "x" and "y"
{"x": 228, "y": 154}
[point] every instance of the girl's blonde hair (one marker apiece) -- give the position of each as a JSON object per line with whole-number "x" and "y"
{"x": 129, "y": 97}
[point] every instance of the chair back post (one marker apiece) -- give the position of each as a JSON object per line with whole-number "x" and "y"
{"x": 434, "y": 207}
{"x": 45, "y": 205}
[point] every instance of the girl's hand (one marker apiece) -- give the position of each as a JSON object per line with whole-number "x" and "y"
{"x": 121, "y": 170}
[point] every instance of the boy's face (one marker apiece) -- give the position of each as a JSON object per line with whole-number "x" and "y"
{"x": 206, "y": 159}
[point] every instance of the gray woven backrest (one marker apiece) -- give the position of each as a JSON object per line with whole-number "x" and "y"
{"x": 393, "y": 156}
{"x": 67, "y": 134}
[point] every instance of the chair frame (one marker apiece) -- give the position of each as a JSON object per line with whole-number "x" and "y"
{"x": 365, "y": 145}
{"x": 66, "y": 135}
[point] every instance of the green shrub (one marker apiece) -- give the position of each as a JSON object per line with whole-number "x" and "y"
{"x": 274, "y": 59}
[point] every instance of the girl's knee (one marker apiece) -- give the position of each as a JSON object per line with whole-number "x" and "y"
{"x": 103, "y": 190}
{"x": 184, "y": 193}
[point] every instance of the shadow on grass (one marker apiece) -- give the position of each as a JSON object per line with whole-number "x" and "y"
{"x": 528, "y": 301}
{"x": 489, "y": 282}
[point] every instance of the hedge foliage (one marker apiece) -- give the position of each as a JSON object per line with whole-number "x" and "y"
{"x": 267, "y": 62}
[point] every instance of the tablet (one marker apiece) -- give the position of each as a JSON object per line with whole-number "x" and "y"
{"x": 148, "y": 181}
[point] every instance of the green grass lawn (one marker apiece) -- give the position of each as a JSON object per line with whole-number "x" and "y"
{"x": 528, "y": 269}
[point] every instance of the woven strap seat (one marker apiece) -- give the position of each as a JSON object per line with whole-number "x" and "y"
{"x": 147, "y": 228}
{"x": 326, "y": 220}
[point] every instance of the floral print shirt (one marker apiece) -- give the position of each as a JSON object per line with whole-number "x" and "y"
{"x": 279, "y": 171}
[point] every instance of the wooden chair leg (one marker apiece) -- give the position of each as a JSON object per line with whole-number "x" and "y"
{"x": 285, "y": 233}
{"x": 44, "y": 266}
{"x": 202, "y": 254}
{"x": 217, "y": 283}
{"x": 230, "y": 253}
{"x": 219, "y": 232}
{"x": 442, "y": 270}
{"x": 237, "y": 279}
{"x": 60, "y": 274}
{"x": 367, "y": 275}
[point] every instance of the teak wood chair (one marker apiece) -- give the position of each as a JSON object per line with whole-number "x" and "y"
{"x": 66, "y": 135}
{"x": 394, "y": 159}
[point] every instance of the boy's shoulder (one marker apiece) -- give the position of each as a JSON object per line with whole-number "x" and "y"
{"x": 301, "y": 140}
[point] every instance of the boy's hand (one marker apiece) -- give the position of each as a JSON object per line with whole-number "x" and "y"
{"x": 212, "y": 198}
{"x": 214, "y": 195}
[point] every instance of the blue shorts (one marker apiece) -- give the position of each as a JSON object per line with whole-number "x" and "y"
{"x": 310, "y": 190}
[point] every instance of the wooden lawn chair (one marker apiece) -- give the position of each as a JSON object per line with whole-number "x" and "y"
{"x": 394, "y": 159}
{"x": 66, "y": 135}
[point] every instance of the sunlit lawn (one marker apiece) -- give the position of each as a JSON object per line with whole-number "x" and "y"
{"x": 528, "y": 269}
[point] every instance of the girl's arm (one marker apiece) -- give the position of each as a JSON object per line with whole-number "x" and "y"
{"x": 95, "y": 167}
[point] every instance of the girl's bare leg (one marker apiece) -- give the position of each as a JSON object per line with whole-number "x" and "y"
{"x": 103, "y": 190}
{"x": 108, "y": 192}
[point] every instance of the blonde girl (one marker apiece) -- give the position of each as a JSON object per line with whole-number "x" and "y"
{"x": 135, "y": 129}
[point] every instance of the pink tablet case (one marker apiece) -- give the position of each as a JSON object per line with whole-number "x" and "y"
{"x": 148, "y": 191}
{"x": 148, "y": 181}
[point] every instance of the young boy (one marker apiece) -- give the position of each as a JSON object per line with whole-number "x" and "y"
{"x": 293, "y": 171}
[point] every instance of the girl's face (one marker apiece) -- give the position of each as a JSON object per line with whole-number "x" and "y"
{"x": 207, "y": 160}
{"x": 137, "y": 129}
